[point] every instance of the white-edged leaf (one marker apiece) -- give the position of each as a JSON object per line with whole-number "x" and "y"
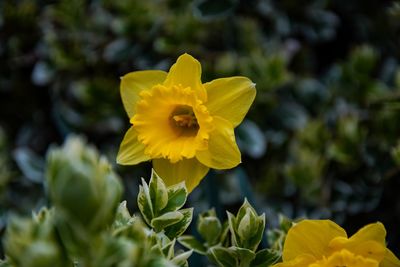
{"x": 168, "y": 249}
{"x": 122, "y": 216}
{"x": 177, "y": 195}
{"x": 158, "y": 193}
{"x": 245, "y": 256}
{"x": 144, "y": 202}
{"x": 265, "y": 257}
{"x": 224, "y": 257}
{"x": 232, "y": 228}
{"x": 181, "y": 259}
{"x": 166, "y": 220}
{"x": 180, "y": 227}
{"x": 192, "y": 243}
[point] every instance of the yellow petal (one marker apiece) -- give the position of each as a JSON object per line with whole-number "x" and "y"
{"x": 345, "y": 258}
{"x": 222, "y": 152}
{"x": 371, "y": 232}
{"x": 131, "y": 151}
{"x": 230, "y": 98}
{"x": 390, "y": 260}
{"x": 368, "y": 249}
{"x": 134, "y": 82}
{"x": 187, "y": 72}
{"x": 311, "y": 237}
{"x": 189, "y": 170}
{"x": 300, "y": 261}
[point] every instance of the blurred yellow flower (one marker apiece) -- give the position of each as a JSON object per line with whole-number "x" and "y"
{"x": 323, "y": 243}
{"x": 184, "y": 126}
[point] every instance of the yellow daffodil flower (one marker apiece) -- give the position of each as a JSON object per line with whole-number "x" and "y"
{"x": 184, "y": 126}
{"x": 323, "y": 243}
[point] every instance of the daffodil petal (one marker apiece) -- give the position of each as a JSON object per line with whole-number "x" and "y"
{"x": 134, "y": 82}
{"x": 230, "y": 98}
{"x": 371, "y": 232}
{"x": 187, "y": 72}
{"x": 311, "y": 237}
{"x": 299, "y": 261}
{"x": 222, "y": 152}
{"x": 390, "y": 260}
{"x": 189, "y": 170}
{"x": 131, "y": 151}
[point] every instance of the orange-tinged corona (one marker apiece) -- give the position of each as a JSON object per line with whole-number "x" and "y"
{"x": 184, "y": 126}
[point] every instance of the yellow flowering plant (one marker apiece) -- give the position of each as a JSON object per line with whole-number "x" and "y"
{"x": 184, "y": 126}
{"x": 323, "y": 243}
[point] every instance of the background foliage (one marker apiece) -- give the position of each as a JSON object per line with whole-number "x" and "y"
{"x": 321, "y": 139}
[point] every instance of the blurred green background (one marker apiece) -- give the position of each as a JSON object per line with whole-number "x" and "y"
{"x": 320, "y": 141}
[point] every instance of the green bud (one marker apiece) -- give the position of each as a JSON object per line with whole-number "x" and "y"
{"x": 246, "y": 225}
{"x": 82, "y": 185}
{"x": 33, "y": 243}
{"x": 160, "y": 206}
{"x": 209, "y": 227}
{"x": 247, "y": 228}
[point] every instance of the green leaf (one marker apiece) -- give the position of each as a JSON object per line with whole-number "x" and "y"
{"x": 192, "y": 243}
{"x": 180, "y": 227}
{"x": 168, "y": 249}
{"x": 224, "y": 257}
{"x": 245, "y": 228}
{"x": 181, "y": 259}
{"x": 177, "y": 195}
{"x": 122, "y": 216}
{"x": 135, "y": 230}
{"x": 244, "y": 255}
{"x": 158, "y": 193}
{"x": 253, "y": 242}
{"x": 285, "y": 223}
{"x": 166, "y": 220}
{"x": 157, "y": 250}
{"x": 232, "y": 228}
{"x": 159, "y": 262}
{"x": 223, "y": 239}
{"x": 265, "y": 257}
{"x": 144, "y": 202}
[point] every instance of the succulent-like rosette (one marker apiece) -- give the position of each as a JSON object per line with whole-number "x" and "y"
{"x": 184, "y": 126}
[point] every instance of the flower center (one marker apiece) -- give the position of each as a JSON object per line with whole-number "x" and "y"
{"x": 172, "y": 122}
{"x": 184, "y": 121}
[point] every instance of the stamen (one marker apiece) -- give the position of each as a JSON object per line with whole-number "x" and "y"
{"x": 184, "y": 120}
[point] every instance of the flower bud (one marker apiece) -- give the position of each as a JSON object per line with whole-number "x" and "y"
{"x": 32, "y": 242}
{"x": 209, "y": 227}
{"x": 82, "y": 185}
{"x": 247, "y": 228}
